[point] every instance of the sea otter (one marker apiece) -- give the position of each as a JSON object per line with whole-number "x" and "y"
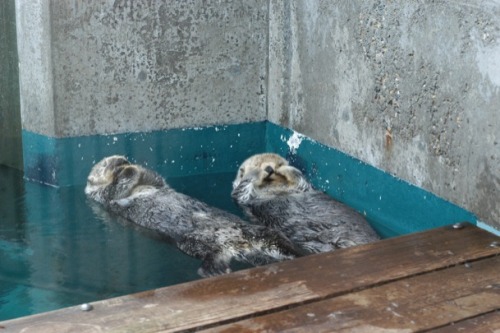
{"x": 275, "y": 194}
{"x": 207, "y": 233}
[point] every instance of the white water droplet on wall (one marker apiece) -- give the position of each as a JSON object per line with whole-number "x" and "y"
{"x": 294, "y": 142}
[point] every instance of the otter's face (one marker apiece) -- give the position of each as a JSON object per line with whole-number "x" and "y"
{"x": 269, "y": 168}
{"x": 103, "y": 174}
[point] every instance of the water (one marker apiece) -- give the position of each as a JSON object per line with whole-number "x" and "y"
{"x": 58, "y": 250}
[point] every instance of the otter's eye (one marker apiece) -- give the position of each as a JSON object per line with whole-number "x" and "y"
{"x": 241, "y": 172}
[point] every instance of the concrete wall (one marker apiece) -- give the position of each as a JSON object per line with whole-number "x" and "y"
{"x": 94, "y": 67}
{"x": 10, "y": 119}
{"x": 411, "y": 87}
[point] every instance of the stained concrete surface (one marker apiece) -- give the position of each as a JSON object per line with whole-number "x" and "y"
{"x": 411, "y": 87}
{"x": 119, "y": 66}
{"x": 10, "y": 118}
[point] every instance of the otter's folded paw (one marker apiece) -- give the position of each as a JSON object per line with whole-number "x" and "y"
{"x": 295, "y": 179}
{"x": 255, "y": 174}
{"x": 243, "y": 189}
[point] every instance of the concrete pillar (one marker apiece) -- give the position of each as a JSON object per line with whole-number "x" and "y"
{"x": 10, "y": 117}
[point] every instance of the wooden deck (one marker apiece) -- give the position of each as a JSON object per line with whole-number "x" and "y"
{"x": 443, "y": 280}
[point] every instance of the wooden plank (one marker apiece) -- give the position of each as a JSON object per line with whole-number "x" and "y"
{"x": 487, "y": 323}
{"x": 270, "y": 288}
{"x": 414, "y": 304}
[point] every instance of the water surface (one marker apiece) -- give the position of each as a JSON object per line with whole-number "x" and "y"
{"x": 57, "y": 249}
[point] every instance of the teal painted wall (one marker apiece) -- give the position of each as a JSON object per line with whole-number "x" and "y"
{"x": 392, "y": 205}
{"x": 173, "y": 153}
{"x": 10, "y": 114}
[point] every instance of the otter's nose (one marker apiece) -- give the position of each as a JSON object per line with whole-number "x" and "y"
{"x": 269, "y": 169}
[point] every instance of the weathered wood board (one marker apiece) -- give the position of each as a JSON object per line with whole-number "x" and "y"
{"x": 292, "y": 286}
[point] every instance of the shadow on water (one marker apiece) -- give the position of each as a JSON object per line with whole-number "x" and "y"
{"x": 57, "y": 249}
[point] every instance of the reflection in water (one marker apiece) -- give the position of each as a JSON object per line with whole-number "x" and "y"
{"x": 57, "y": 249}
{"x": 13, "y": 246}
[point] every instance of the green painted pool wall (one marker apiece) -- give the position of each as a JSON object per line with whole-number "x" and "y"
{"x": 173, "y": 153}
{"x": 392, "y": 205}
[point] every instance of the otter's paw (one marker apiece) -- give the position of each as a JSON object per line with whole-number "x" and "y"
{"x": 260, "y": 177}
{"x": 244, "y": 189}
{"x": 255, "y": 174}
{"x": 294, "y": 178}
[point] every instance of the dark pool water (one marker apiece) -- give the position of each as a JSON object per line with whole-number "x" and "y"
{"x": 57, "y": 250}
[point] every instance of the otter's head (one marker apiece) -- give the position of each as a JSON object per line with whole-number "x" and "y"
{"x": 115, "y": 178}
{"x": 271, "y": 173}
{"x": 103, "y": 174}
